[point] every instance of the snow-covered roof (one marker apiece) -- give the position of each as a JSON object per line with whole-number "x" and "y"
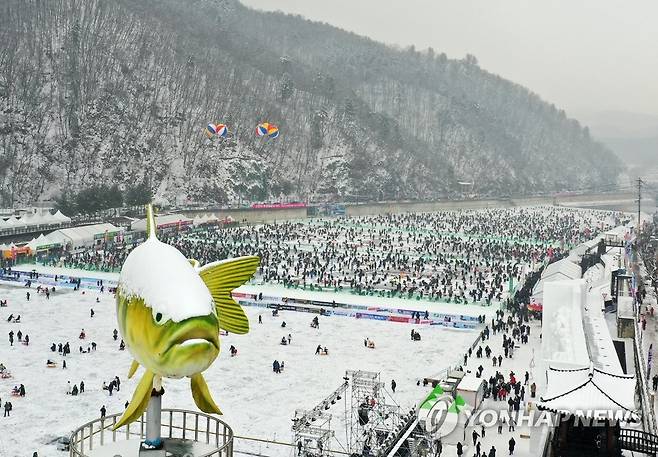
{"x": 82, "y": 234}
{"x": 470, "y": 384}
{"x": 584, "y": 248}
{"x": 625, "y": 307}
{"x": 583, "y": 391}
{"x": 557, "y": 271}
{"x": 140, "y": 225}
{"x": 565, "y": 268}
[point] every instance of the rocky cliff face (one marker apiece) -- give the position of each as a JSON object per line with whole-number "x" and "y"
{"x": 119, "y": 91}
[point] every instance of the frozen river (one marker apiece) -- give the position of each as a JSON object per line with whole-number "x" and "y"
{"x": 255, "y": 401}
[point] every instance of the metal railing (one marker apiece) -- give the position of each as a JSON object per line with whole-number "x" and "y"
{"x": 646, "y": 401}
{"x": 638, "y": 441}
{"x": 176, "y": 424}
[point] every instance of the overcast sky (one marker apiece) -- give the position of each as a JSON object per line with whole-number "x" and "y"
{"x": 586, "y": 56}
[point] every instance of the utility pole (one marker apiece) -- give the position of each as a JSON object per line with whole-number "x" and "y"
{"x": 639, "y": 203}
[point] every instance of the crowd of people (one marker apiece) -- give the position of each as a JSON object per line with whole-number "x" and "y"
{"x": 450, "y": 256}
{"x": 460, "y": 256}
{"x": 512, "y": 326}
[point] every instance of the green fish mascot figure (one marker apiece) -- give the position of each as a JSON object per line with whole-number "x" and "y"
{"x": 170, "y": 311}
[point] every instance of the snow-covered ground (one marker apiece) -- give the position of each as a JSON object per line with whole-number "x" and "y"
{"x": 256, "y": 402}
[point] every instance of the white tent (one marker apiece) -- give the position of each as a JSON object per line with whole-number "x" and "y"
{"x": 59, "y": 217}
{"x": 15, "y": 222}
{"x": 83, "y": 236}
{"x": 48, "y": 219}
{"x": 32, "y": 244}
{"x": 38, "y": 219}
{"x": 41, "y": 241}
{"x": 588, "y": 391}
{"x": 587, "y": 247}
{"x": 27, "y": 219}
{"x": 561, "y": 270}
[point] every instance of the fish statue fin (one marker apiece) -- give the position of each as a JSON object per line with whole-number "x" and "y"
{"x": 221, "y": 278}
{"x": 133, "y": 368}
{"x": 139, "y": 402}
{"x": 151, "y": 227}
{"x": 195, "y": 263}
{"x": 202, "y": 396}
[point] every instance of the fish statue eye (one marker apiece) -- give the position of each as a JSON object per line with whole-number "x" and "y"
{"x": 158, "y": 317}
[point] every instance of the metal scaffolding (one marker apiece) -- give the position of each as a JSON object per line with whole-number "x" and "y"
{"x": 372, "y": 416}
{"x": 312, "y": 428}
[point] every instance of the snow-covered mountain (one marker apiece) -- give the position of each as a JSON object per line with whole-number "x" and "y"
{"x": 119, "y": 91}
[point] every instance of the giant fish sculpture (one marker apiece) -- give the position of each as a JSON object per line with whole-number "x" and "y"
{"x": 170, "y": 311}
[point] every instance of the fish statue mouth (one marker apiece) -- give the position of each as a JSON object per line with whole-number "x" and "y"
{"x": 191, "y": 343}
{"x": 191, "y": 338}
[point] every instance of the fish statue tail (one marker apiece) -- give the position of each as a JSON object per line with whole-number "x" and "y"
{"x": 221, "y": 278}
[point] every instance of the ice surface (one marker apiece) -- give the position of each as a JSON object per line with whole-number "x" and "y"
{"x": 256, "y": 402}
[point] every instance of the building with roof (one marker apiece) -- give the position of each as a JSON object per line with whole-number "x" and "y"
{"x": 587, "y": 391}
{"x": 164, "y": 223}
{"x": 591, "y": 405}
{"x": 85, "y": 236}
{"x": 561, "y": 270}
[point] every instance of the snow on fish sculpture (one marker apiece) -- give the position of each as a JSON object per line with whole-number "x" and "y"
{"x": 170, "y": 311}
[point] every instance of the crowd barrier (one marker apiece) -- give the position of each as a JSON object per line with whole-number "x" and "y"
{"x": 459, "y": 321}
{"x": 401, "y": 315}
{"x": 48, "y": 279}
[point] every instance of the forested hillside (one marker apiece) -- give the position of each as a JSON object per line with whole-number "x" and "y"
{"x": 118, "y": 92}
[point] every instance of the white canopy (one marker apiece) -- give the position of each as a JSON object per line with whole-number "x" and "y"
{"x": 58, "y": 216}
{"x": 558, "y": 271}
{"x": 35, "y": 219}
{"x": 564, "y": 268}
{"x": 14, "y": 222}
{"x": 41, "y": 241}
{"x": 83, "y": 235}
{"x": 584, "y": 391}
